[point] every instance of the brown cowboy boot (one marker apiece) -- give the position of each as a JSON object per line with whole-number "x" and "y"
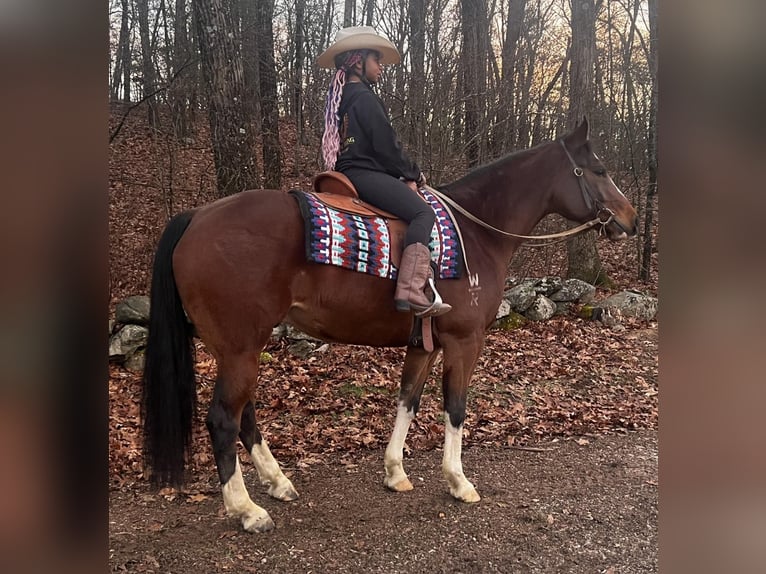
{"x": 414, "y": 272}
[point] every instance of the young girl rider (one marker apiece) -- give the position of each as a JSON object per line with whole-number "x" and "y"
{"x": 360, "y": 142}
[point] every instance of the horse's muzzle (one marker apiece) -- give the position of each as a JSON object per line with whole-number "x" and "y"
{"x": 617, "y": 229}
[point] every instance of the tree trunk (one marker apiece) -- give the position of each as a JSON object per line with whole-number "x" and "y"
{"x": 297, "y": 95}
{"x": 230, "y": 127}
{"x": 368, "y": 8}
{"x": 181, "y": 58}
{"x": 584, "y": 260}
{"x": 147, "y": 65}
{"x": 123, "y": 60}
{"x": 475, "y": 33}
{"x": 250, "y": 62}
{"x": 506, "y": 120}
{"x": 537, "y": 135}
{"x": 349, "y": 13}
{"x": 646, "y": 258}
{"x": 416, "y": 112}
{"x": 272, "y": 150}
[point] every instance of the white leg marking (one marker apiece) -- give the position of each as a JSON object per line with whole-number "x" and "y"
{"x": 396, "y": 479}
{"x": 238, "y": 504}
{"x": 452, "y": 465}
{"x": 270, "y": 474}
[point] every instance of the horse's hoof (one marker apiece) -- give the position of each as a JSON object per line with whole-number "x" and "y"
{"x": 466, "y": 494}
{"x": 402, "y": 486}
{"x": 257, "y": 523}
{"x": 285, "y": 492}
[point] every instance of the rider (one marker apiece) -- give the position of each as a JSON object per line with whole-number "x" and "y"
{"x": 360, "y": 142}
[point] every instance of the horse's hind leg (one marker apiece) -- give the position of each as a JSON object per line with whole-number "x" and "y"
{"x": 417, "y": 366}
{"x": 268, "y": 469}
{"x": 230, "y": 397}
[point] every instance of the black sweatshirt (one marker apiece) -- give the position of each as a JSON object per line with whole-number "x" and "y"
{"x": 367, "y": 139}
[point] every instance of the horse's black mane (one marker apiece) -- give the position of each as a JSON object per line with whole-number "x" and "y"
{"x": 488, "y": 170}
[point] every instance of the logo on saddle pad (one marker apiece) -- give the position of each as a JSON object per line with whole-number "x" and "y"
{"x": 372, "y": 244}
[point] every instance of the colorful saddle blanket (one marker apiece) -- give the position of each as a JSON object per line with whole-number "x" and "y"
{"x": 368, "y": 244}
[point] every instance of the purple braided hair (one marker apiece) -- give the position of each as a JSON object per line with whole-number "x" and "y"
{"x": 331, "y": 136}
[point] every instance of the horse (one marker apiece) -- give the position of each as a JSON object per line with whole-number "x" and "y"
{"x": 232, "y": 270}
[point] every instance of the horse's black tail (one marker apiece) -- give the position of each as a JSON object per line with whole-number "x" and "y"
{"x": 169, "y": 398}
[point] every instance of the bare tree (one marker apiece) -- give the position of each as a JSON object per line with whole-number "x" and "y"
{"x": 416, "y": 112}
{"x": 651, "y": 192}
{"x": 230, "y": 124}
{"x": 475, "y": 30}
{"x": 298, "y": 64}
{"x": 349, "y": 13}
{"x": 181, "y": 61}
{"x": 147, "y": 68}
{"x": 123, "y": 58}
{"x": 584, "y": 260}
{"x": 479, "y": 77}
{"x": 267, "y": 74}
{"x": 507, "y": 112}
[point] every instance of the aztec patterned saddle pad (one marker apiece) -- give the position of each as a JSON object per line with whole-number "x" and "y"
{"x": 372, "y": 244}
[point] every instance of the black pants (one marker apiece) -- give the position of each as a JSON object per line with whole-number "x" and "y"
{"x": 393, "y": 195}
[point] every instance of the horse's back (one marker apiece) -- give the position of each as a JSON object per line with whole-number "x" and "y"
{"x": 241, "y": 268}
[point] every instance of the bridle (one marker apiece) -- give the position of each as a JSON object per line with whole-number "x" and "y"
{"x": 588, "y": 197}
{"x": 591, "y": 202}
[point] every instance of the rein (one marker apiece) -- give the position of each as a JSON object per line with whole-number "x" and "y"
{"x": 555, "y": 237}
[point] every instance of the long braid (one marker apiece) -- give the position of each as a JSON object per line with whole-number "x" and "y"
{"x": 331, "y": 136}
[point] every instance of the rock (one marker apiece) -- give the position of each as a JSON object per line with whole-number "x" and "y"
{"x": 521, "y": 296}
{"x": 279, "y": 332}
{"x": 127, "y": 341}
{"x": 135, "y": 362}
{"x": 133, "y": 311}
{"x": 503, "y": 310}
{"x": 575, "y": 290}
{"x": 563, "y": 307}
{"x": 301, "y": 349}
{"x": 630, "y": 303}
{"x": 548, "y": 285}
{"x": 541, "y": 309}
{"x": 295, "y": 335}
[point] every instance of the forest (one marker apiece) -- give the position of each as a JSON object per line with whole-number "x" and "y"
{"x": 478, "y": 79}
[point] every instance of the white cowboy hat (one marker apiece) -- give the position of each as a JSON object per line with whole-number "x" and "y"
{"x": 359, "y": 38}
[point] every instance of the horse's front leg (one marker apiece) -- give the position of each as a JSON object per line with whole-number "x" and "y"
{"x": 459, "y": 361}
{"x": 417, "y": 366}
{"x": 268, "y": 469}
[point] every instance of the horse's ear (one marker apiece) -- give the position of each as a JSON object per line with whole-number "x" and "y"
{"x": 580, "y": 135}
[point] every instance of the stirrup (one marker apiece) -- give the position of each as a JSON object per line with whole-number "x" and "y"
{"x": 437, "y": 307}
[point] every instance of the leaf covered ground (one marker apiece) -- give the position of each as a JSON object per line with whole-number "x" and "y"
{"x": 560, "y": 433}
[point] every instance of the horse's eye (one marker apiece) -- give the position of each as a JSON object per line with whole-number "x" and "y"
{"x": 600, "y": 171}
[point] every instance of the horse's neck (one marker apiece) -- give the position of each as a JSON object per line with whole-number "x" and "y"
{"x": 509, "y": 194}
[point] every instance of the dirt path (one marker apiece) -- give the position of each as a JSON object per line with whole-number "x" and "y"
{"x": 569, "y": 508}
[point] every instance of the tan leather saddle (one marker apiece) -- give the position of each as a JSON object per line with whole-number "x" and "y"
{"x": 335, "y": 190}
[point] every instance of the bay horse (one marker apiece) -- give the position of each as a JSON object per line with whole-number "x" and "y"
{"x": 232, "y": 270}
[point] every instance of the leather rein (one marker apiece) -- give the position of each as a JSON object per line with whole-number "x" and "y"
{"x": 588, "y": 197}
